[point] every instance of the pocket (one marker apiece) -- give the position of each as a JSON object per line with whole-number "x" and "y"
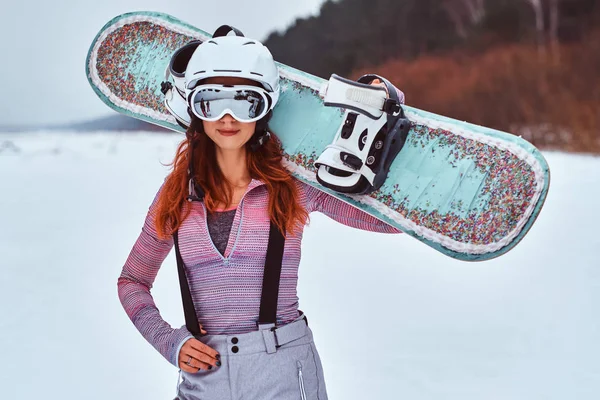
{"x": 298, "y": 375}
{"x": 311, "y": 384}
{"x": 301, "y": 381}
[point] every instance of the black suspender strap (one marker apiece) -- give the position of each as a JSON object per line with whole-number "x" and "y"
{"x": 270, "y": 288}
{"x": 191, "y": 321}
{"x": 272, "y": 274}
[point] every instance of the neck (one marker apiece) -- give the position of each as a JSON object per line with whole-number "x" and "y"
{"x": 233, "y": 166}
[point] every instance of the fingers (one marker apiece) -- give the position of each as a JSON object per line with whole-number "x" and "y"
{"x": 192, "y": 365}
{"x": 202, "y": 357}
{"x": 378, "y": 82}
{"x": 195, "y": 355}
{"x": 196, "y": 345}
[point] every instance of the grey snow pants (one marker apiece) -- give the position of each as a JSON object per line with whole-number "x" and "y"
{"x": 260, "y": 365}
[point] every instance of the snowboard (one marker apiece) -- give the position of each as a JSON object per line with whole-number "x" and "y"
{"x": 468, "y": 191}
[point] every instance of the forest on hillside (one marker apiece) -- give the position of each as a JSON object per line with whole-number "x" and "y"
{"x": 530, "y": 67}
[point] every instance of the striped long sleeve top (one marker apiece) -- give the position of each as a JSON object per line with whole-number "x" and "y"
{"x": 225, "y": 288}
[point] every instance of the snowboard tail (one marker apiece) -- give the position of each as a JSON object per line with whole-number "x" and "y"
{"x": 468, "y": 191}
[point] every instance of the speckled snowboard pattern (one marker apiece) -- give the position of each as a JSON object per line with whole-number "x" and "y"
{"x": 465, "y": 190}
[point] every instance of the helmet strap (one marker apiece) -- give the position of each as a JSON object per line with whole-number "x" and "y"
{"x": 223, "y": 30}
{"x": 195, "y": 191}
{"x": 259, "y": 139}
{"x": 262, "y": 135}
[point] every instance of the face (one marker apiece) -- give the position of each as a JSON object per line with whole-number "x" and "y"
{"x": 228, "y": 133}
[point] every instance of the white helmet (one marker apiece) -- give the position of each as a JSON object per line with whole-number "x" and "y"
{"x": 233, "y": 56}
{"x": 221, "y": 56}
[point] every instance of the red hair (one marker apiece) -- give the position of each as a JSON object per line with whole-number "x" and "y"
{"x": 265, "y": 164}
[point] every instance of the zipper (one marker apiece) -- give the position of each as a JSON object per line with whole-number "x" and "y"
{"x": 177, "y": 388}
{"x": 301, "y": 381}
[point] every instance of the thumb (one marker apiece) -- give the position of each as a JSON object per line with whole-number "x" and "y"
{"x": 379, "y": 82}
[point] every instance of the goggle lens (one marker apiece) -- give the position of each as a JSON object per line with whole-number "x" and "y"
{"x": 247, "y": 104}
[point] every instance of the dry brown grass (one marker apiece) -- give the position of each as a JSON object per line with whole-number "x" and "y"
{"x": 552, "y": 99}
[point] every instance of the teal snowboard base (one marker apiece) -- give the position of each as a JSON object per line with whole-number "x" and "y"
{"x": 468, "y": 191}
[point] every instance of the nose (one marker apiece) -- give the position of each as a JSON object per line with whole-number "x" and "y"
{"x": 227, "y": 118}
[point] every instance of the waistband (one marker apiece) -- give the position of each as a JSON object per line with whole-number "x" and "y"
{"x": 266, "y": 339}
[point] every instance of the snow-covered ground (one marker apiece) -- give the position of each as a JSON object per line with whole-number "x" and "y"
{"x": 392, "y": 318}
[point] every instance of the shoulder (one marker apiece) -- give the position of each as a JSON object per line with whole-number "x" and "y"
{"x": 161, "y": 189}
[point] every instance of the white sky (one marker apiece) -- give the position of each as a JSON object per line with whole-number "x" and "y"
{"x": 392, "y": 318}
{"x": 44, "y": 45}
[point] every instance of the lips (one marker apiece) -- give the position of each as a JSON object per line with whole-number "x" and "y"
{"x": 227, "y": 133}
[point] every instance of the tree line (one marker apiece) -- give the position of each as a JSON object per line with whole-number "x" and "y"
{"x": 352, "y": 34}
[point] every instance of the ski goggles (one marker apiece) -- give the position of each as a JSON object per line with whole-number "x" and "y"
{"x": 244, "y": 103}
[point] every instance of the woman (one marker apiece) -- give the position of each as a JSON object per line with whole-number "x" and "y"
{"x": 234, "y": 172}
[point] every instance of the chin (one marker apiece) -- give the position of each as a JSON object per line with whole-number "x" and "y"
{"x": 230, "y": 143}
{"x": 230, "y": 147}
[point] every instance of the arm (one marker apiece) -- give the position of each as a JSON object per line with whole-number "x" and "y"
{"x": 134, "y": 286}
{"x": 343, "y": 212}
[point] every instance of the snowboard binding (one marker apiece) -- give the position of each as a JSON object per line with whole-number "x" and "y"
{"x": 372, "y": 134}
{"x": 175, "y": 101}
